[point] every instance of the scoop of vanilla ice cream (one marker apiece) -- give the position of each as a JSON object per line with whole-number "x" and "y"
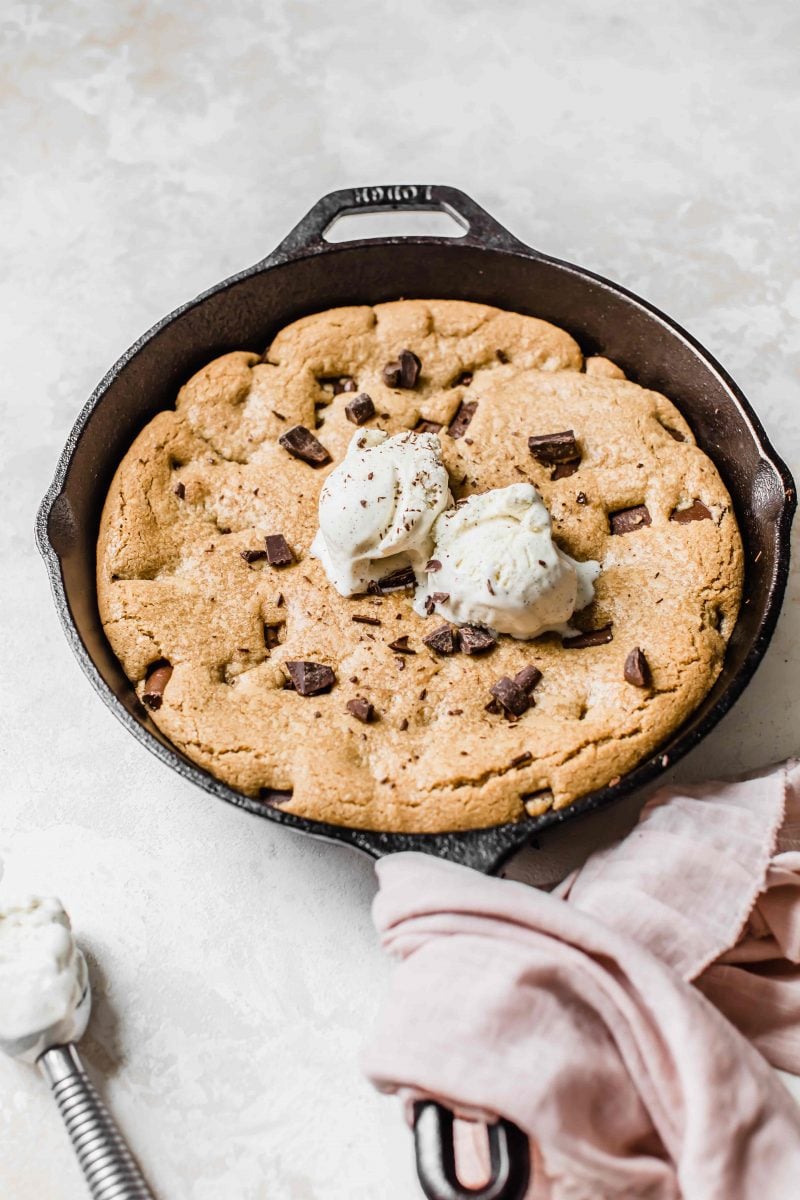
{"x": 500, "y": 567}
{"x": 377, "y": 508}
{"x": 42, "y": 971}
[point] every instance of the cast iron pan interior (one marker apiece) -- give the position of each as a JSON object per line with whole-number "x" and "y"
{"x": 306, "y": 274}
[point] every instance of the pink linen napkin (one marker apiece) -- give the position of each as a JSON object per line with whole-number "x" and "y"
{"x": 603, "y": 1018}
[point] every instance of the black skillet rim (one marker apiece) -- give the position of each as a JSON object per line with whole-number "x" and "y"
{"x": 485, "y": 848}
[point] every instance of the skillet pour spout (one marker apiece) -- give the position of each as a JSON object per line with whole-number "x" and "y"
{"x": 487, "y": 264}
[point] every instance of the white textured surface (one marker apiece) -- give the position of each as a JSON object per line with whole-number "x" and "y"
{"x": 150, "y": 150}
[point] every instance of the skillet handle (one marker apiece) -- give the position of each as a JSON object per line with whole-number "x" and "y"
{"x": 481, "y": 229}
{"x": 433, "y": 1137}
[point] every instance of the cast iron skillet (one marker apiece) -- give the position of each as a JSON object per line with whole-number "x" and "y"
{"x": 488, "y": 264}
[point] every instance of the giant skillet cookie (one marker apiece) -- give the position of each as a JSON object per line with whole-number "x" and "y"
{"x": 207, "y": 588}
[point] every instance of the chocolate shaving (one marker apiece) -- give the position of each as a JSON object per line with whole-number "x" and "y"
{"x": 180, "y": 490}
{"x": 626, "y": 520}
{"x": 512, "y": 698}
{"x": 251, "y": 556}
{"x": 696, "y": 511}
{"x": 460, "y": 423}
{"x": 301, "y": 443}
{"x": 360, "y": 409}
{"x": 434, "y": 599}
{"x": 423, "y": 426}
{"x": 403, "y": 577}
{"x": 593, "y": 637}
{"x": 361, "y": 709}
{"x": 474, "y": 639}
{"x": 554, "y": 448}
{"x": 278, "y": 552}
{"x": 528, "y": 678}
{"x": 442, "y": 640}
{"x": 402, "y": 372}
{"x": 157, "y": 679}
{"x": 274, "y": 796}
{"x": 637, "y": 669}
{"x": 362, "y": 620}
{"x": 310, "y": 678}
{"x": 401, "y": 646}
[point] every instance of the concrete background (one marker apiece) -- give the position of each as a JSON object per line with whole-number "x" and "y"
{"x": 150, "y": 150}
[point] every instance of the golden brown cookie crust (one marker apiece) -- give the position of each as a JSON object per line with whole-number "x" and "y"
{"x": 208, "y": 480}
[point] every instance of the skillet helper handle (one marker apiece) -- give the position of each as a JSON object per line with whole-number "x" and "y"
{"x": 481, "y": 229}
{"x": 509, "y": 1155}
{"x": 107, "y": 1164}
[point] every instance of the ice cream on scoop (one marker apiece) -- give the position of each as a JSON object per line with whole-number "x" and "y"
{"x": 377, "y": 508}
{"x": 495, "y": 564}
{"x": 42, "y": 972}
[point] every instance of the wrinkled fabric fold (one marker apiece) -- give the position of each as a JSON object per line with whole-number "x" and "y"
{"x": 606, "y": 1018}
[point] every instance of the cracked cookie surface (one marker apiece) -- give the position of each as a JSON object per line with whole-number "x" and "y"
{"x": 183, "y": 577}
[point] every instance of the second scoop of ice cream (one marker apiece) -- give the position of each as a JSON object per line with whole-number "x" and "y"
{"x": 495, "y": 563}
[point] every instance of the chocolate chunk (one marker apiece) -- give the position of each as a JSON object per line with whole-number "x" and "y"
{"x": 581, "y": 498}
{"x": 528, "y": 678}
{"x": 626, "y": 520}
{"x": 251, "y": 556}
{"x": 423, "y": 426}
{"x": 361, "y": 620}
{"x": 522, "y": 760}
{"x": 433, "y": 564}
{"x": 460, "y": 422}
{"x": 157, "y": 679}
{"x": 402, "y": 372}
{"x": 361, "y": 709}
{"x": 274, "y": 796}
{"x": 593, "y": 637}
{"x": 360, "y": 409}
{"x": 696, "y": 511}
{"x": 401, "y": 646}
{"x": 403, "y": 726}
{"x": 554, "y": 448}
{"x": 310, "y": 678}
{"x": 565, "y": 469}
{"x": 278, "y": 551}
{"x": 513, "y": 699}
{"x": 462, "y": 380}
{"x": 502, "y": 356}
{"x": 301, "y": 443}
{"x": 489, "y": 587}
{"x": 271, "y": 638}
{"x": 474, "y": 639}
{"x": 180, "y": 490}
{"x": 442, "y": 640}
{"x": 403, "y": 577}
{"x": 345, "y": 383}
{"x": 637, "y": 669}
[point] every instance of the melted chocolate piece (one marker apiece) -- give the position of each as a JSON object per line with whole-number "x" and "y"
{"x": 309, "y": 679}
{"x": 637, "y": 669}
{"x": 360, "y": 410}
{"x": 460, "y": 423}
{"x": 593, "y": 637}
{"x": 301, "y": 443}
{"x": 157, "y": 679}
{"x": 627, "y": 520}
{"x": 696, "y": 511}
{"x": 474, "y": 639}
{"x": 554, "y": 448}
